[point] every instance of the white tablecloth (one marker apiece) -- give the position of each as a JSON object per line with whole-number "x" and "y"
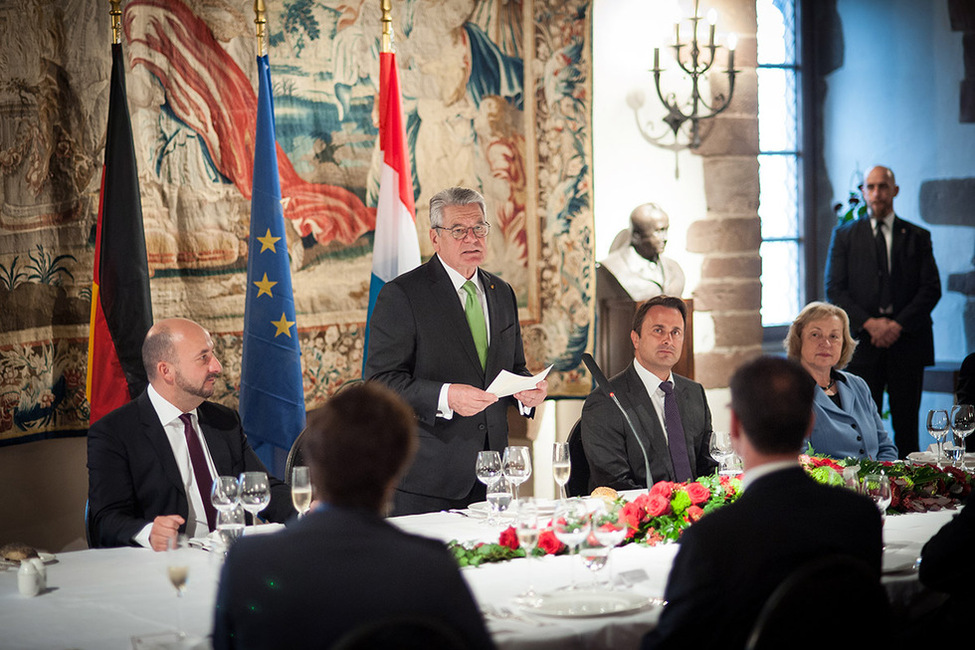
{"x": 100, "y": 599}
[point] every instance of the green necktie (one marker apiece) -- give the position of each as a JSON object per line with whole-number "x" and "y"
{"x": 475, "y": 318}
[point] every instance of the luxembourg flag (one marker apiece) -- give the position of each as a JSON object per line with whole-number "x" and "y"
{"x": 396, "y": 249}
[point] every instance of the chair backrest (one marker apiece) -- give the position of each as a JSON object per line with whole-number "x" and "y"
{"x": 88, "y": 531}
{"x": 839, "y": 592}
{"x": 578, "y": 484}
{"x": 295, "y": 457}
{"x": 403, "y": 633}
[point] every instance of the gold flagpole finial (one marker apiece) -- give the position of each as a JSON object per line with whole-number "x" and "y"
{"x": 116, "y": 13}
{"x": 261, "y": 21}
{"x": 386, "y": 44}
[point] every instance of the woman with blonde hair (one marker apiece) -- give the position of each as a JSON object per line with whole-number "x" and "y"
{"x": 847, "y": 424}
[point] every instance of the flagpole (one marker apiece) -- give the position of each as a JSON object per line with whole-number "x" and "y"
{"x": 261, "y": 21}
{"x": 116, "y": 13}
{"x": 386, "y": 42}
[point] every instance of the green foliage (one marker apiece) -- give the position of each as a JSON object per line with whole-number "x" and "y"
{"x": 855, "y": 208}
{"x": 11, "y": 278}
{"x": 299, "y": 21}
{"x": 477, "y": 554}
{"x": 45, "y": 268}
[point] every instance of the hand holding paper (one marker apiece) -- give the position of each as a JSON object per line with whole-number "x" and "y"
{"x": 508, "y": 383}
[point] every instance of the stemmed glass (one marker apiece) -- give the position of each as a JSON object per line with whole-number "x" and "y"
{"x": 526, "y": 526}
{"x": 609, "y": 529}
{"x": 877, "y": 488}
{"x": 963, "y": 422}
{"x": 178, "y": 572}
{"x": 225, "y": 493}
{"x": 255, "y": 493}
{"x": 487, "y": 468}
{"x": 561, "y": 467}
{"x": 721, "y": 450}
{"x": 937, "y": 425}
{"x": 516, "y": 465}
{"x": 230, "y": 525}
{"x": 498, "y": 497}
{"x": 571, "y": 526}
{"x": 301, "y": 489}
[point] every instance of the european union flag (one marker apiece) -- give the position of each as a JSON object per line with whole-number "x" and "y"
{"x": 272, "y": 404}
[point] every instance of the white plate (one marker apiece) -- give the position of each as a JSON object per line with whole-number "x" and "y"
{"x": 899, "y": 560}
{"x": 922, "y": 457}
{"x": 545, "y": 507}
{"x": 590, "y": 603}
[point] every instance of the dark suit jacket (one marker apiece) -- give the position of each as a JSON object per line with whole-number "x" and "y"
{"x": 419, "y": 340}
{"x": 614, "y": 456}
{"x": 731, "y": 560}
{"x": 133, "y": 477}
{"x": 852, "y": 282}
{"x": 945, "y": 563}
{"x": 332, "y": 571}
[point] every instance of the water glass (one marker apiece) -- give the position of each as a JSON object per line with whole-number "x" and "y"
{"x": 937, "y": 425}
{"x": 225, "y": 493}
{"x": 526, "y": 526}
{"x": 877, "y": 488}
{"x": 609, "y": 529}
{"x": 255, "y": 492}
{"x": 721, "y": 450}
{"x": 963, "y": 420}
{"x": 516, "y": 465}
{"x": 571, "y": 526}
{"x": 498, "y": 497}
{"x": 230, "y": 526}
{"x": 488, "y": 466}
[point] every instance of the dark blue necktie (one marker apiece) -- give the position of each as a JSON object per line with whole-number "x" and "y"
{"x": 675, "y": 435}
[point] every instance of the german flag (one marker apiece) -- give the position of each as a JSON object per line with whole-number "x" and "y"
{"x": 121, "y": 305}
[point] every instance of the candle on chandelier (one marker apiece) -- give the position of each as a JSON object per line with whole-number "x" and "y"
{"x": 712, "y": 20}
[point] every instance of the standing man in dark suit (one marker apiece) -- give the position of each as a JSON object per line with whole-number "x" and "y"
{"x": 669, "y": 412}
{"x": 438, "y": 336}
{"x": 152, "y": 461}
{"x": 881, "y": 270}
{"x": 731, "y": 561}
{"x": 342, "y": 566}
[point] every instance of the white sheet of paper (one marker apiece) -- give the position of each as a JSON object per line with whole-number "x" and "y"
{"x": 508, "y": 383}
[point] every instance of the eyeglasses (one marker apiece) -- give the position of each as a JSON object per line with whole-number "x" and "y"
{"x": 480, "y": 231}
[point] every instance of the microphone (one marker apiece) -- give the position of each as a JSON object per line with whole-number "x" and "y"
{"x": 603, "y": 384}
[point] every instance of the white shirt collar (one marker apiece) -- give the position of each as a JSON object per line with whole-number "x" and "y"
{"x": 165, "y": 410}
{"x": 458, "y": 280}
{"x": 765, "y": 469}
{"x": 888, "y": 221}
{"x": 650, "y": 380}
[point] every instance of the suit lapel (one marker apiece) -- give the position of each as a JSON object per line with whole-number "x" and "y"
{"x": 647, "y": 419}
{"x": 455, "y": 320}
{"x": 494, "y": 324}
{"x": 153, "y": 430}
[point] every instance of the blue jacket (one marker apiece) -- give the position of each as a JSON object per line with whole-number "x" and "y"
{"x": 854, "y": 431}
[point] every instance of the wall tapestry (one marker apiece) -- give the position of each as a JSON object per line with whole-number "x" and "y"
{"x": 496, "y": 96}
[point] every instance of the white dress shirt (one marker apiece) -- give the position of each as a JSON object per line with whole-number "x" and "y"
{"x": 196, "y": 521}
{"x": 652, "y": 383}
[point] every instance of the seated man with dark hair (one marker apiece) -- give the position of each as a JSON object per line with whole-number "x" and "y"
{"x": 732, "y": 560}
{"x": 342, "y": 566}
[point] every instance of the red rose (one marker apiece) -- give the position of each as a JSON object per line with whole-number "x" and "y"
{"x": 632, "y": 515}
{"x": 692, "y": 514}
{"x": 641, "y": 500}
{"x": 663, "y": 488}
{"x": 697, "y": 492}
{"x": 548, "y": 542}
{"x": 658, "y": 505}
{"x": 509, "y": 538}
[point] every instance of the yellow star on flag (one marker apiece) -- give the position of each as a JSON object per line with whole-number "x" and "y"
{"x": 283, "y": 325}
{"x": 264, "y": 287}
{"x": 267, "y": 241}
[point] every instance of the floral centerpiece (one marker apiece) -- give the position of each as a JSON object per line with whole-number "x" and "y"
{"x": 667, "y": 509}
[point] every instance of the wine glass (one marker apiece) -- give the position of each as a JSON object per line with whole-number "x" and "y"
{"x": 561, "y": 467}
{"x": 178, "y": 572}
{"x": 571, "y": 526}
{"x": 516, "y": 465}
{"x": 937, "y": 425}
{"x": 498, "y": 497}
{"x": 609, "y": 529}
{"x": 954, "y": 449}
{"x": 488, "y": 466}
{"x": 595, "y": 556}
{"x": 230, "y": 526}
{"x": 526, "y": 526}
{"x": 225, "y": 493}
{"x": 877, "y": 488}
{"x": 721, "y": 450}
{"x": 255, "y": 494}
{"x": 963, "y": 421}
{"x": 301, "y": 489}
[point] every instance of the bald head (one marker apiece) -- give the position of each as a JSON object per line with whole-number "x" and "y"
{"x": 879, "y": 189}
{"x": 649, "y": 226}
{"x": 179, "y": 361}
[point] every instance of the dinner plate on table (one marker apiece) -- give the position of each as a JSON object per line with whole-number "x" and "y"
{"x": 482, "y": 509}
{"x": 899, "y": 560}
{"x": 586, "y": 603}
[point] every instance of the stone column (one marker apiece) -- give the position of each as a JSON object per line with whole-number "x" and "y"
{"x": 729, "y": 296}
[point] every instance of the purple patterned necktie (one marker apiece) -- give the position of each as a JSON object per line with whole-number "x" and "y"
{"x": 198, "y": 459}
{"x": 675, "y": 435}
